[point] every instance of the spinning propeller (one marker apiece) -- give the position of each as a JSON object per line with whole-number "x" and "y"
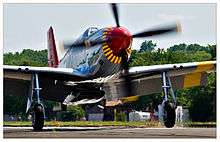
{"x": 142, "y": 34}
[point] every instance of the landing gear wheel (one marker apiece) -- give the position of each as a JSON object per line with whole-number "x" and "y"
{"x": 38, "y": 118}
{"x": 169, "y": 117}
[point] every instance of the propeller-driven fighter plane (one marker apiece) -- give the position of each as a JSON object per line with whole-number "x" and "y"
{"x": 99, "y": 57}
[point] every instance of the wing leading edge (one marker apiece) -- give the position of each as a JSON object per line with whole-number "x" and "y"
{"x": 44, "y": 70}
{"x": 192, "y": 72}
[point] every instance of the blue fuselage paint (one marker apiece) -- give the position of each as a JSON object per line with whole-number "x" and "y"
{"x": 89, "y": 60}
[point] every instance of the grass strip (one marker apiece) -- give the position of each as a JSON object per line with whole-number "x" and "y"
{"x": 199, "y": 124}
{"x": 86, "y": 124}
{"x": 142, "y": 124}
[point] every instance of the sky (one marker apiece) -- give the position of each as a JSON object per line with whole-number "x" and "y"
{"x": 25, "y": 25}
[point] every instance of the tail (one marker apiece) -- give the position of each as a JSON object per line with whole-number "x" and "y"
{"x": 53, "y": 60}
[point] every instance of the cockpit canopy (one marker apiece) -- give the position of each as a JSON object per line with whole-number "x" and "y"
{"x": 89, "y": 32}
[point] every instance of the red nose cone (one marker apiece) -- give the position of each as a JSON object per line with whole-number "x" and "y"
{"x": 121, "y": 39}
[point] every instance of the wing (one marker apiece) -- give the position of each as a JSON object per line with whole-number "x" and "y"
{"x": 148, "y": 80}
{"x": 17, "y": 80}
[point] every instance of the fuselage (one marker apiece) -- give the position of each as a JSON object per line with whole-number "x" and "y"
{"x": 99, "y": 60}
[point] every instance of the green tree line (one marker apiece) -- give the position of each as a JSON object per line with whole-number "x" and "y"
{"x": 27, "y": 57}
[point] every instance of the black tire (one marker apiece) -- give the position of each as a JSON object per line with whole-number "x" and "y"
{"x": 38, "y": 118}
{"x": 169, "y": 117}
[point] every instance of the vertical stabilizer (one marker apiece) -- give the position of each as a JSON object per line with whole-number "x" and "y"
{"x": 53, "y": 60}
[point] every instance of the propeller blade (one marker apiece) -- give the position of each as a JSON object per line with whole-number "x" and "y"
{"x": 87, "y": 43}
{"x": 127, "y": 86}
{"x": 115, "y": 12}
{"x": 159, "y": 31}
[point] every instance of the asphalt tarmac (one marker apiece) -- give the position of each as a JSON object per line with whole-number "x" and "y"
{"x": 108, "y": 132}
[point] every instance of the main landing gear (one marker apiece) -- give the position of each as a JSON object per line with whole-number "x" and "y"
{"x": 35, "y": 105}
{"x": 169, "y": 113}
{"x": 38, "y": 117}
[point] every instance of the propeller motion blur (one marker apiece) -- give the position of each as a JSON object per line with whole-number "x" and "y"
{"x": 83, "y": 72}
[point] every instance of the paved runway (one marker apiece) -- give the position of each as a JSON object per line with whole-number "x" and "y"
{"x": 108, "y": 132}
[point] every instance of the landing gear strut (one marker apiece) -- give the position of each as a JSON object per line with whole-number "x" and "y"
{"x": 35, "y": 105}
{"x": 169, "y": 113}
